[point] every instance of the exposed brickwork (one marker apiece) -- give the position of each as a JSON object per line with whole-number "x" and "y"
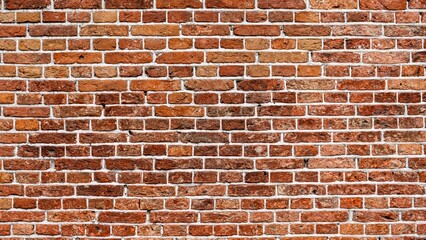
{"x": 225, "y": 119}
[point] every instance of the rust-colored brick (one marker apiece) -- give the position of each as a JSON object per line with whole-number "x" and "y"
{"x": 213, "y": 119}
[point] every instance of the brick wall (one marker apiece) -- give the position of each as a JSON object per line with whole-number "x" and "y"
{"x": 229, "y": 119}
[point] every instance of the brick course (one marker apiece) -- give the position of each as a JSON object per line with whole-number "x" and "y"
{"x": 224, "y": 119}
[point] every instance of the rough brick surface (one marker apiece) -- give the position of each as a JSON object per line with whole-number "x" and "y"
{"x": 213, "y": 119}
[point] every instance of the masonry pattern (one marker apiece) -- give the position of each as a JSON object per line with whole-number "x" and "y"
{"x": 213, "y": 119}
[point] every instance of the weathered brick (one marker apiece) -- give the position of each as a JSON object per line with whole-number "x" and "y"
{"x": 275, "y": 57}
{"x": 205, "y": 30}
{"x": 179, "y": 4}
{"x": 26, "y": 111}
{"x": 230, "y": 4}
{"x": 122, "y": 217}
{"x": 383, "y": 4}
{"x": 333, "y": 4}
{"x": 12, "y": 31}
{"x": 156, "y": 30}
{"x": 130, "y": 4}
{"x": 155, "y": 85}
{"x": 305, "y": 30}
{"x": 135, "y": 57}
{"x": 76, "y": 4}
{"x": 27, "y": 58}
{"x": 75, "y": 57}
{"x": 180, "y": 57}
{"x": 39, "y": 31}
{"x": 338, "y": 216}
{"x": 287, "y": 4}
{"x": 386, "y": 58}
{"x": 30, "y": 4}
{"x": 102, "y": 30}
{"x": 230, "y": 57}
{"x": 256, "y": 30}
{"x": 51, "y": 86}
{"x": 75, "y": 111}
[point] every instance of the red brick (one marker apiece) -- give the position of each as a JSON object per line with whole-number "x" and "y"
{"x": 180, "y": 58}
{"x": 27, "y": 112}
{"x": 386, "y": 58}
{"x": 179, "y": 4}
{"x": 167, "y": 217}
{"x": 288, "y": 4}
{"x": 229, "y": 57}
{"x": 156, "y": 30}
{"x": 135, "y": 57}
{"x": 229, "y": 4}
{"x": 102, "y": 30}
{"x": 130, "y": 4}
{"x": 260, "y": 85}
{"x": 12, "y": 31}
{"x": 30, "y": 4}
{"x": 338, "y": 216}
{"x": 353, "y": 189}
{"x": 74, "y": 216}
{"x": 122, "y": 217}
{"x": 288, "y": 57}
{"x": 39, "y": 31}
{"x": 333, "y": 4}
{"x": 256, "y": 30}
{"x": 219, "y": 217}
{"x": 21, "y": 216}
{"x": 251, "y": 190}
{"x": 83, "y": 57}
{"x": 76, "y": 4}
{"x": 205, "y": 30}
{"x": 305, "y": 30}
{"x": 27, "y": 58}
{"x": 382, "y": 4}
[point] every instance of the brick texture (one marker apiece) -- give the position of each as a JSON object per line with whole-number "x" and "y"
{"x": 213, "y": 119}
